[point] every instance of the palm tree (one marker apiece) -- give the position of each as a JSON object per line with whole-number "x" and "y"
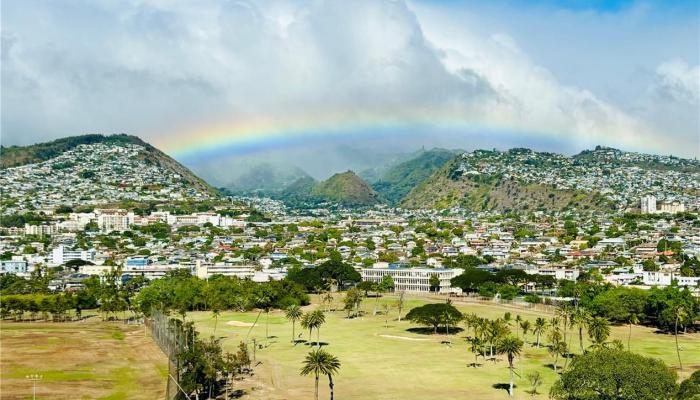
{"x": 495, "y": 330}
{"x": 306, "y": 324}
{"x": 598, "y": 331}
{"x": 319, "y": 362}
{"x": 680, "y": 314}
{"x": 477, "y": 347}
{"x": 294, "y": 313}
{"x": 511, "y": 347}
{"x": 558, "y": 346}
{"x": 525, "y": 326}
{"x": 580, "y": 319}
{"x": 518, "y": 320}
{"x": 327, "y": 298}
{"x": 316, "y": 319}
{"x": 633, "y": 319}
{"x": 215, "y": 313}
{"x": 565, "y": 312}
{"x": 540, "y": 325}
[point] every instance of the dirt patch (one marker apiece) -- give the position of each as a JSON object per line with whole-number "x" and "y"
{"x": 239, "y": 323}
{"x": 403, "y": 338}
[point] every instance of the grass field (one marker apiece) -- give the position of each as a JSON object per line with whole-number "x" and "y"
{"x": 394, "y": 363}
{"x": 80, "y": 360}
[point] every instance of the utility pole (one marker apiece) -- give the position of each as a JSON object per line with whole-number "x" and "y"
{"x": 34, "y": 378}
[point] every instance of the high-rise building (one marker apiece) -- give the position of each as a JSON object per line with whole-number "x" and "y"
{"x": 648, "y": 205}
{"x": 109, "y": 220}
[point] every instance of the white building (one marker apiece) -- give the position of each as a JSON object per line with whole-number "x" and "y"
{"x": 671, "y": 207}
{"x": 109, "y": 220}
{"x": 62, "y": 255}
{"x": 648, "y": 205}
{"x": 39, "y": 230}
{"x": 569, "y": 274}
{"x": 411, "y": 279}
{"x": 205, "y": 271}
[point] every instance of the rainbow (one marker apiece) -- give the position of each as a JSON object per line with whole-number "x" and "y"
{"x": 250, "y": 135}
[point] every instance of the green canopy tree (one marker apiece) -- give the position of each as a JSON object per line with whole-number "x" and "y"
{"x": 434, "y": 315}
{"x": 615, "y": 374}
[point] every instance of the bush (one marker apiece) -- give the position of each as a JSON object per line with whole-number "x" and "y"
{"x": 533, "y": 298}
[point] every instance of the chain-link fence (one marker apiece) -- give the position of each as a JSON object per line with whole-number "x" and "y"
{"x": 169, "y": 336}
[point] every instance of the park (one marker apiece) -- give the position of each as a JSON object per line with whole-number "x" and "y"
{"x": 384, "y": 358}
{"x": 381, "y": 355}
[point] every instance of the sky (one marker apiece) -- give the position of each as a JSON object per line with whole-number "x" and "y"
{"x": 215, "y": 82}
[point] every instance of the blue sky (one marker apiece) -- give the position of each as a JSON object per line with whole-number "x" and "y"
{"x": 562, "y": 75}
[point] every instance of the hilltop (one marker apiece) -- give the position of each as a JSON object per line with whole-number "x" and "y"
{"x": 346, "y": 188}
{"x": 94, "y": 169}
{"x": 523, "y": 179}
{"x": 15, "y": 156}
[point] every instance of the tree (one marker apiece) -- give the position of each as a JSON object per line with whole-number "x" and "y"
{"x": 598, "y": 331}
{"x": 471, "y": 279}
{"x": 400, "y": 303}
{"x": 580, "y": 319}
{"x": 293, "y": 313}
{"x": 316, "y": 318}
{"x": 525, "y": 326}
{"x": 557, "y": 346}
{"x": 511, "y": 347}
{"x": 633, "y": 319}
{"x": 680, "y": 313}
{"x": 434, "y": 315}
{"x": 319, "y": 362}
{"x": 434, "y": 283}
{"x": 387, "y": 283}
{"x": 690, "y": 388}
{"x": 535, "y": 379}
{"x": 306, "y": 324}
{"x": 615, "y": 374}
{"x": 215, "y": 312}
{"x": 352, "y": 301}
{"x": 538, "y": 329}
{"x": 477, "y": 348}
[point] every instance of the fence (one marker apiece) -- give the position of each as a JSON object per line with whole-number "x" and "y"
{"x": 169, "y": 337}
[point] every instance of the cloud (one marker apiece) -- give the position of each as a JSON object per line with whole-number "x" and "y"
{"x": 151, "y": 68}
{"x": 678, "y": 81}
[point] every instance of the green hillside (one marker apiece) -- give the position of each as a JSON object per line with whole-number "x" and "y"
{"x": 447, "y": 188}
{"x": 345, "y": 188}
{"x": 400, "y": 179}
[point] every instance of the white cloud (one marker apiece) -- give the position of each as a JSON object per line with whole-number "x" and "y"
{"x": 679, "y": 81}
{"x": 150, "y": 67}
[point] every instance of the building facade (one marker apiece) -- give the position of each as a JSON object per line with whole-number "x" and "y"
{"x": 412, "y": 279}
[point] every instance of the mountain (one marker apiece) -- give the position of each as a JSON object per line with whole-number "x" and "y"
{"x": 92, "y": 171}
{"x": 299, "y": 191}
{"x": 345, "y": 188}
{"x": 266, "y": 178}
{"x": 522, "y": 179}
{"x": 15, "y": 156}
{"x": 400, "y": 179}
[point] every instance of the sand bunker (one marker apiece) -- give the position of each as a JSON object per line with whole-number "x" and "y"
{"x": 239, "y": 323}
{"x": 402, "y": 337}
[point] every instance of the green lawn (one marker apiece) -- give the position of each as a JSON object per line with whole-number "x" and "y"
{"x": 393, "y": 363}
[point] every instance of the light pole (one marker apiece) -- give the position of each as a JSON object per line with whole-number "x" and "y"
{"x": 34, "y": 378}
